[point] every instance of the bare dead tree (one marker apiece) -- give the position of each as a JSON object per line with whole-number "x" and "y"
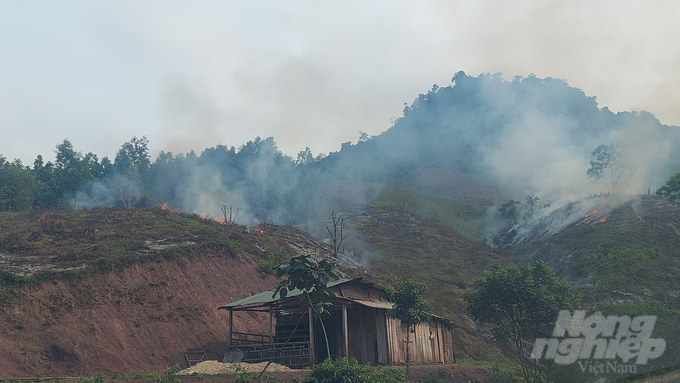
{"x": 228, "y": 212}
{"x": 338, "y": 223}
{"x": 124, "y": 190}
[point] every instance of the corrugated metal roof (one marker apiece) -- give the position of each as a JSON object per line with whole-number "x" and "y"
{"x": 267, "y": 296}
{"x": 375, "y": 305}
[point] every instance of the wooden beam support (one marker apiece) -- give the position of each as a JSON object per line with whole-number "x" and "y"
{"x": 345, "y": 332}
{"x": 271, "y": 324}
{"x": 312, "y": 348}
{"x": 231, "y": 325}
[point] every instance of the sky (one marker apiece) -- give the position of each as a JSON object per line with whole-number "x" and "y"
{"x": 192, "y": 75}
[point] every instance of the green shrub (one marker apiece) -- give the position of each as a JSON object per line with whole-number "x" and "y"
{"x": 169, "y": 375}
{"x": 500, "y": 376}
{"x": 345, "y": 370}
{"x": 245, "y": 377}
{"x": 101, "y": 378}
{"x": 270, "y": 260}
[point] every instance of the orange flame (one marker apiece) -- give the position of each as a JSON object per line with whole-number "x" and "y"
{"x": 602, "y": 220}
{"x": 592, "y": 212}
{"x": 222, "y": 222}
{"x": 365, "y": 271}
{"x": 166, "y": 206}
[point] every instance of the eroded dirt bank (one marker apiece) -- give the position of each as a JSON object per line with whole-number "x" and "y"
{"x": 145, "y": 317}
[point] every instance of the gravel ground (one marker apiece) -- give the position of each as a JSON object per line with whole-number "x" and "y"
{"x": 213, "y": 367}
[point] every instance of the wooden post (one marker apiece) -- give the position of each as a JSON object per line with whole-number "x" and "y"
{"x": 345, "y": 333}
{"x": 271, "y": 325}
{"x": 231, "y": 325}
{"x": 440, "y": 341}
{"x": 312, "y": 348}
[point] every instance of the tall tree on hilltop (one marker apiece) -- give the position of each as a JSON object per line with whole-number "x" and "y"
{"x": 72, "y": 171}
{"x": 607, "y": 163}
{"x": 17, "y": 186}
{"x": 133, "y": 156}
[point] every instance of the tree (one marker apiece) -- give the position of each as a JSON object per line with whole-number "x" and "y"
{"x": 310, "y": 277}
{"x": 133, "y": 156}
{"x": 530, "y": 201}
{"x": 337, "y": 239}
{"x": 607, "y": 163}
{"x": 304, "y": 157}
{"x": 17, "y": 186}
{"x": 363, "y": 136}
{"x": 123, "y": 189}
{"x": 72, "y": 171}
{"x": 509, "y": 210}
{"x": 671, "y": 189}
{"x": 520, "y": 304}
{"x": 408, "y": 308}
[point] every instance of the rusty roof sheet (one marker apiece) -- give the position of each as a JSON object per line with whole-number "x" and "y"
{"x": 374, "y": 304}
{"x": 266, "y": 297}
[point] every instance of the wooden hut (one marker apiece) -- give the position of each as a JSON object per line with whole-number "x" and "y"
{"x": 358, "y": 327}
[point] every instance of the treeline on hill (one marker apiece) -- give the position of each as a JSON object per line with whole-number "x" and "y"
{"x": 503, "y": 132}
{"x": 255, "y": 171}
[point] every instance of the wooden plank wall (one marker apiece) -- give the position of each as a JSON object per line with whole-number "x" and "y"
{"x": 381, "y": 337}
{"x": 427, "y": 343}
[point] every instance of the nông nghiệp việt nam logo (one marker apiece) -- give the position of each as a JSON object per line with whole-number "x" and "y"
{"x": 577, "y": 337}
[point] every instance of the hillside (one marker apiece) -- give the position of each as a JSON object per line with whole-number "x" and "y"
{"x": 478, "y": 172}
{"x": 118, "y": 291}
{"x": 623, "y": 259}
{"x": 125, "y": 290}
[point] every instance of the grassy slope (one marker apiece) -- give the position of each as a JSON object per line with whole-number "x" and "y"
{"x": 628, "y": 265}
{"x": 448, "y": 262}
{"x": 42, "y": 245}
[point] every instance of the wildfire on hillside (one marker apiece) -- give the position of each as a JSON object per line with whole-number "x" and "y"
{"x": 594, "y": 216}
{"x": 166, "y": 206}
{"x": 223, "y": 222}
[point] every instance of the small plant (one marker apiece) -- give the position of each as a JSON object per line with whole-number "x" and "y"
{"x": 143, "y": 375}
{"x": 245, "y": 377}
{"x": 500, "y": 376}
{"x": 169, "y": 375}
{"x": 270, "y": 260}
{"x": 101, "y": 378}
{"x": 434, "y": 378}
{"x": 349, "y": 370}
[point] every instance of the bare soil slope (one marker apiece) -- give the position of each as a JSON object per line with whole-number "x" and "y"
{"x": 118, "y": 291}
{"x": 144, "y": 317}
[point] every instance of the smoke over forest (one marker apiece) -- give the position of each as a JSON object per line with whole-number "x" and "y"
{"x": 526, "y": 137}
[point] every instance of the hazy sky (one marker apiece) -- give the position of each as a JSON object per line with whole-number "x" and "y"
{"x": 191, "y": 75}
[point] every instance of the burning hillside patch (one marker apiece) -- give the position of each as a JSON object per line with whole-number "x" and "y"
{"x": 547, "y": 221}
